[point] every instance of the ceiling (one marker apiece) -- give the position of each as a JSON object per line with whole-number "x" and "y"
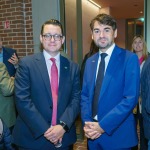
{"x": 123, "y": 8}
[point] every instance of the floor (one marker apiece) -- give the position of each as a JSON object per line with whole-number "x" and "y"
{"x": 81, "y": 143}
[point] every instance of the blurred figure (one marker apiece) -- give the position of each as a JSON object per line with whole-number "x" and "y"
{"x": 93, "y": 49}
{"x": 47, "y": 95}
{"x": 140, "y": 49}
{"x": 7, "y": 106}
{"x": 145, "y": 94}
{"x": 5, "y": 137}
{"x": 106, "y": 99}
{"x": 9, "y": 57}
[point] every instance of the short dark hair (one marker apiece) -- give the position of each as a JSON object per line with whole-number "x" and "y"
{"x": 53, "y": 22}
{"x": 104, "y": 19}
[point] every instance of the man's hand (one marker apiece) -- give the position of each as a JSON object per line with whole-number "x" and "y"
{"x": 54, "y": 134}
{"x": 93, "y": 130}
{"x": 13, "y": 59}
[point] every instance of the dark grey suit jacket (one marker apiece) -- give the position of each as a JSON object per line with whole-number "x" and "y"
{"x": 145, "y": 94}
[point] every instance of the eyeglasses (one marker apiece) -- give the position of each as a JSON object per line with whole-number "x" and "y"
{"x": 48, "y": 37}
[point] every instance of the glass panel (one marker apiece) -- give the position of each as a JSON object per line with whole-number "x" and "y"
{"x": 134, "y": 27}
{"x": 139, "y": 27}
{"x": 130, "y": 33}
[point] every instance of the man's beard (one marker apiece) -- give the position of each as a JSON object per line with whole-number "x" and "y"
{"x": 104, "y": 47}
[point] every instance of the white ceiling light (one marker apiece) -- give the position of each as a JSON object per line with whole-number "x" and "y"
{"x": 94, "y": 3}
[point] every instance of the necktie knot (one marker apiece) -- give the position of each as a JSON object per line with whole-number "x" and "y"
{"x": 103, "y": 55}
{"x": 53, "y": 60}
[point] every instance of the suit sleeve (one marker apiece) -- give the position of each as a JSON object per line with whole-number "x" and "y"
{"x": 147, "y": 93}
{"x": 6, "y": 82}
{"x": 26, "y": 108}
{"x": 86, "y": 98}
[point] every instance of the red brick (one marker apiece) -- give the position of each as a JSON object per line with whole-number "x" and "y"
{"x": 14, "y": 37}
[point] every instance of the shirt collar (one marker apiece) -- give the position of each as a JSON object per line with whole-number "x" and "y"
{"x": 48, "y": 56}
{"x": 110, "y": 50}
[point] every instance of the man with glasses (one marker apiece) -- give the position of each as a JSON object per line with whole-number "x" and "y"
{"x": 47, "y": 92}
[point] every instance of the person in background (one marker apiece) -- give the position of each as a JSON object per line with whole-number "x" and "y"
{"x": 93, "y": 49}
{"x": 9, "y": 57}
{"x": 145, "y": 95}
{"x": 47, "y": 95}
{"x": 140, "y": 49}
{"x": 106, "y": 106}
{"x": 7, "y": 105}
{"x": 5, "y": 137}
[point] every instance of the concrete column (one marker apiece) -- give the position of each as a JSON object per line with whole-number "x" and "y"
{"x": 41, "y": 12}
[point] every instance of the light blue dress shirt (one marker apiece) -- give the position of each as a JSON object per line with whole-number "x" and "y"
{"x": 1, "y": 56}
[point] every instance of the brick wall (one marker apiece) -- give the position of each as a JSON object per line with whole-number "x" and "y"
{"x": 16, "y": 25}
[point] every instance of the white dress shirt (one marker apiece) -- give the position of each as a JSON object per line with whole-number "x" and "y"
{"x": 107, "y": 58}
{"x": 47, "y": 57}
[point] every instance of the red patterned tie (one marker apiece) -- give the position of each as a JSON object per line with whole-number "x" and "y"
{"x": 54, "y": 89}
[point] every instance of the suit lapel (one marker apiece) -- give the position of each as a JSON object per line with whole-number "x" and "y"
{"x": 41, "y": 65}
{"x": 94, "y": 63}
{"x": 111, "y": 68}
{"x": 64, "y": 75}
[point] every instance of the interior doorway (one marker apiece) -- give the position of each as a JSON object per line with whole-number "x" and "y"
{"x": 133, "y": 27}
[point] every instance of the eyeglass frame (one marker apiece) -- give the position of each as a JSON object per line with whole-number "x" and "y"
{"x": 48, "y": 37}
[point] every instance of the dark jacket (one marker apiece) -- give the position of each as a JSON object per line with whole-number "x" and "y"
{"x": 5, "y": 137}
{"x": 35, "y": 108}
{"x": 145, "y": 94}
{"x": 7, "y": 53}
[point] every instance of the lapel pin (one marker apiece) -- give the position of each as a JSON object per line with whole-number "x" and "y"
{"x": 65, "y": 67}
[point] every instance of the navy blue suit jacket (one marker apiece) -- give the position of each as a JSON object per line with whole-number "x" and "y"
{"x": 34, "y": 101}
{"x": 118, "y": 96}
{"x": 7, "y": 53}
{"x": 145, "y": 94}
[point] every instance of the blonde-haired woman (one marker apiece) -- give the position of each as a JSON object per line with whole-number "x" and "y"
{"x": 140, "y": 48}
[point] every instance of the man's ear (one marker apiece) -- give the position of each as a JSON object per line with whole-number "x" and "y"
{"x": 115, "y": 33}
{"x": 41, "y": 38}
{"x": 63, "y": 40}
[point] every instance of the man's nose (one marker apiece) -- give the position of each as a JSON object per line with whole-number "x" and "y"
{"x": 101, "y": 34}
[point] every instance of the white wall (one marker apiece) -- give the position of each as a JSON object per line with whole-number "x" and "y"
{"x": 120, "y": 40}
{"x": 89, "y": 11}
{"x": 71, "y": 29}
